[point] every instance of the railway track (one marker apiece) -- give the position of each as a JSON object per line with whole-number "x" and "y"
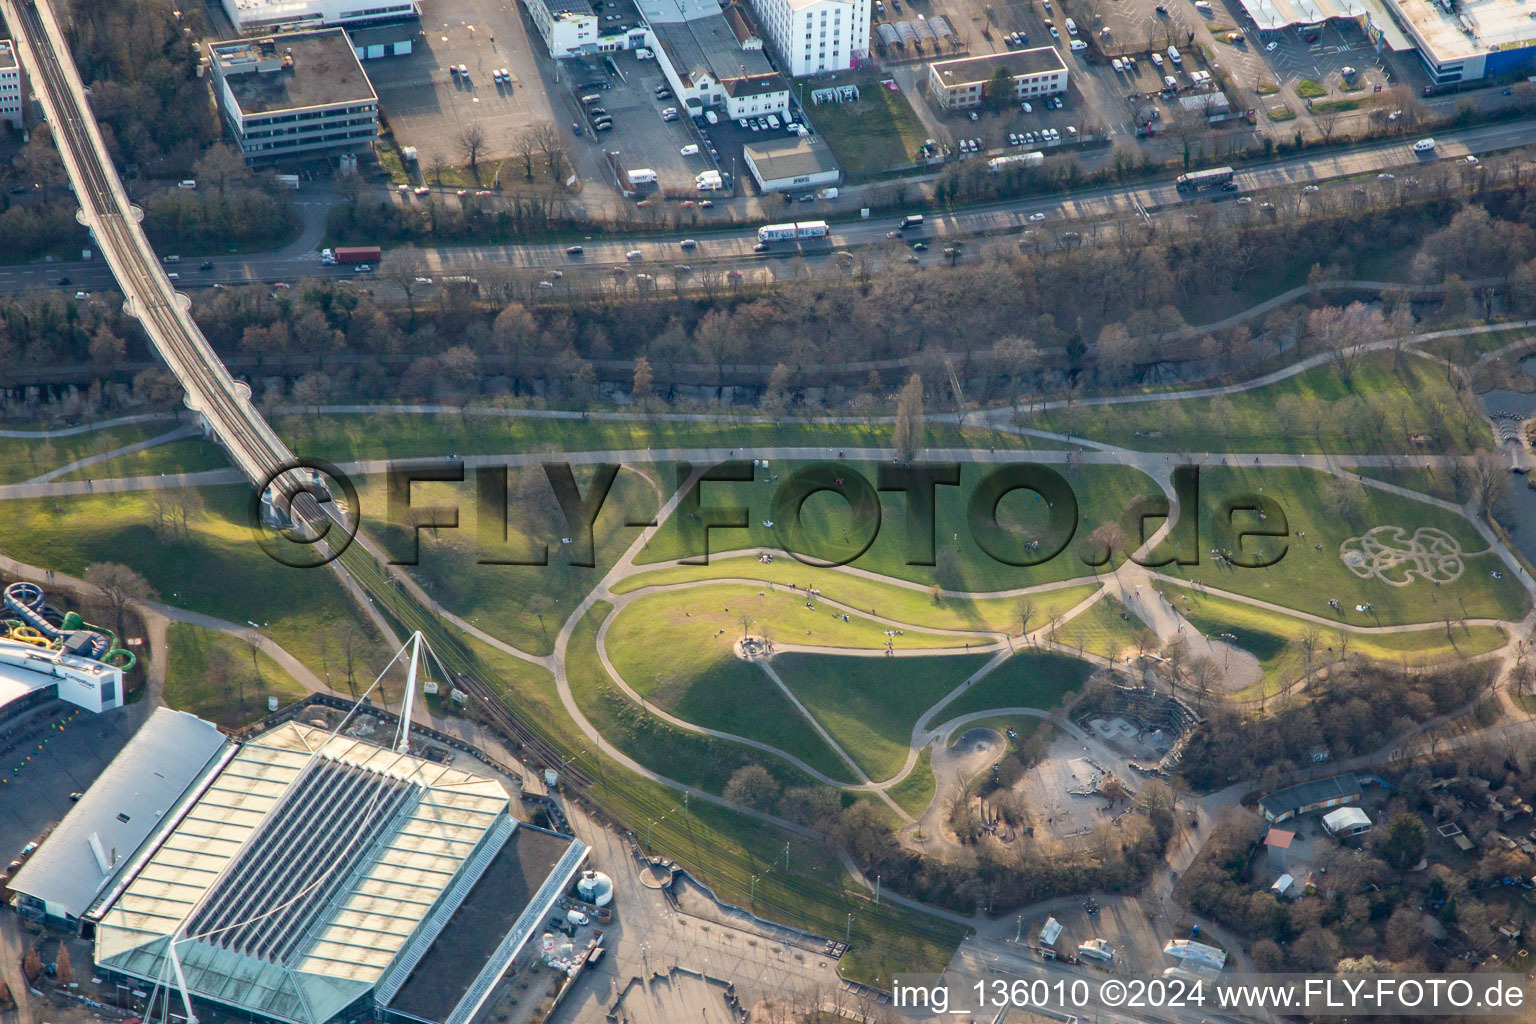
{"x": 252, "y": 444}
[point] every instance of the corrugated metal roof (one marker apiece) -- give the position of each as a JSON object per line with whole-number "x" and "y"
{"x": 121, "y": 808}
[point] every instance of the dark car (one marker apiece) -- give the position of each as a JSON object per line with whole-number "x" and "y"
{"x": 760, "y": 247}
{"x": 63, "y": 280}
{"x": 919, "y": 246}
{"x": 205, "y": 265}
{"x": 575, "y": 128}
{"x": 598, "y": 111}
{"x": 1162, "y": 10}
{"x": 1229, "y": 186}
{"x": 574, "y": 250}
{"x": 603, "y": 126}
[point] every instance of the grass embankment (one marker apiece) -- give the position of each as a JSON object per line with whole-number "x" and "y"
{"x": 1277, "y": 641}
{"x": 1328, "y": 512}
{"x": 25, "y": 458}
{"x": 869, "y": 705}
{"x": 214, "y": 567}
{"x": 214, "y": 676}
{"x": 1103, "y": 494}
{"x": 914, "y": 793}
{"x": 1030, "y": 679}
{"x": 1381, "y": 409}
{"x": 190, "y": 455}
{"x": 886, "y": 599}
{"x": 725, "y": 850}
{"x": 339, "y": 437}
{"x": 523, "y": 605}
{"x": 1104, "y": 628}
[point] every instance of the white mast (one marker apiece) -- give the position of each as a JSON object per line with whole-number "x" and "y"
{"x": 403, "y": 747}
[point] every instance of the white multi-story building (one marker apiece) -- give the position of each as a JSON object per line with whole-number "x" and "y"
{"x": 963, "y": 82}
{"x": 815, "y": 36}
{"x": 10, "y": 86}
{"x": 574, "y": 28}
{"x": 292, "y": 95}
{"x": 260, "y": 16}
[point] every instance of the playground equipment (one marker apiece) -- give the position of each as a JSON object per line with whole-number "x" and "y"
{"x": 42, "y": 625}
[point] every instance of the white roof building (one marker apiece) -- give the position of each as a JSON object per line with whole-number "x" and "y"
{"x": 1347, "y": 821}
{"x": 317, "y": 875}
{"x": 106, "y": 827}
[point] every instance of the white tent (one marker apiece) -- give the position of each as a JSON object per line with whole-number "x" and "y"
{"x": 1347, "y": 821}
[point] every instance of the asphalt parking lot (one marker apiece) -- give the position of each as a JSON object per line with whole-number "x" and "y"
{"x": 639, "y": 134}
{"x": 428, "y": 106}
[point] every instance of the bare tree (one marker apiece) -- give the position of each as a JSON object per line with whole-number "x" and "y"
{"x": 405, "y": 266}
{"x": 551, "y": 145}
{"x": 910, "y": 420}
{"x": 471, "y": 142}
{"x": 526, "y": 144}
{"x": 120, "y": 585}
{"x": 1326, "y": 124}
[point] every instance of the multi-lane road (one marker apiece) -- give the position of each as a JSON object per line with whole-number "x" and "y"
{"x": 734, "y": 250}
{"x": 113, "y": 222}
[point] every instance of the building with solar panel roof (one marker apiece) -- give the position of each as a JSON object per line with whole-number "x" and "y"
{"x": 315, "y": 878}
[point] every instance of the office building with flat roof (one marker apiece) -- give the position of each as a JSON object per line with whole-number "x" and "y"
{"x": 963, "y": 82}
{"x": 294, "y": 95}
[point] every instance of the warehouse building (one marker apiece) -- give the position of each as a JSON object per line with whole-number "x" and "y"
{"x": 790, "y": 163}
{"x": 294, "y": 95}
{"x": 94, "y": 843}
{"x": 252, "y": 17}
{"x": 706, "y": 64}
{"x": 315, "y": 878}
{"x": 963, "y": 82}
{"x": 1313, "y": 795}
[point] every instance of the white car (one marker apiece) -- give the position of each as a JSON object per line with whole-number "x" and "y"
{"x": 1035, "y": 218}
{"x": 1424, "y": 146}
{"x": 1472, "y": 159}
{"x": 633, "y": 254}
{"x": 1271, "y": 46}
{"x": 1244, "y": 200}
{"x": 742, "y": 122}
{"x": 1310, "y": 189}
{"x": 506, "y": 75}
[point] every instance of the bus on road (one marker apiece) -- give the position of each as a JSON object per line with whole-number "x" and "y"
{"x": 1198, "y": 181}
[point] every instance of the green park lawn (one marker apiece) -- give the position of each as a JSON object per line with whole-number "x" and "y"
{"x": 1329, "y": 513}
{"x": 212, "y": 675}
{"x": 215, "y": 568}
{"x": 1381, "y": 410}
{"x": 1104, "y": 628}
{"x": 656, "y": 629}
{"x": 914, "y": 793}
{"x": 870, "y": 705}
{"x": 888, "y": 600}
{"x": 24, "y": 458}
{"x": 345, "y": 437}
{"x": 737, "y": 856}
{"x": 1103, "y": 494}
{"x": 523, "y": 605}
{"x": 1029, "y": 679}
{"x": 690, "y": 758}
{"x": 189, "y": 455}
{"x": 693, "y": 675}
{"x": 1276, "y": 639}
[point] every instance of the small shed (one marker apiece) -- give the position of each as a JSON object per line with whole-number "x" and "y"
{"x": 1277, "y": 844}
{"x": 1050, "y": 933}
{"x": 1283, "y": 886}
